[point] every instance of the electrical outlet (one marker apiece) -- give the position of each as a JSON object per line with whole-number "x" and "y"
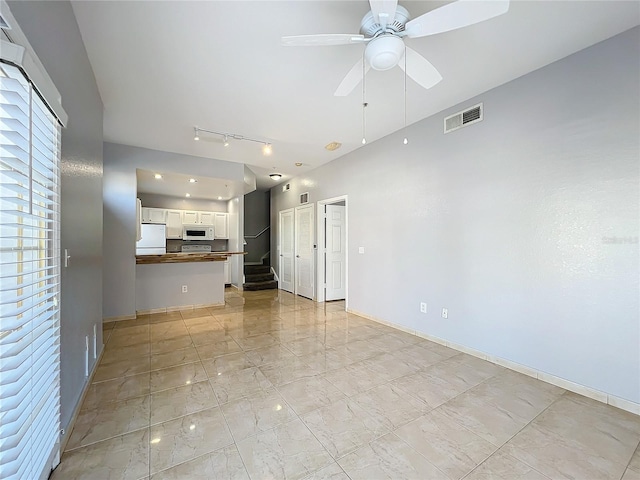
{"x": 423, "y": 307}
{"x": 184, "y": 289}
{"x": 445, "y": 313}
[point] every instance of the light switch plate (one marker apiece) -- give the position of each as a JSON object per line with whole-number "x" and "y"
{"x": 360, "y": 249}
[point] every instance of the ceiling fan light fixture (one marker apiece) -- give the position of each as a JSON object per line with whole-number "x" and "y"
{"x": 157, "y": 176}
{"x": 267, "y": 149}
{"x": 384, "y": 52}
{"x": 275, "y": 176}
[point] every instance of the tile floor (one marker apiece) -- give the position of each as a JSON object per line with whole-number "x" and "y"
{"x": 273, "y": 386}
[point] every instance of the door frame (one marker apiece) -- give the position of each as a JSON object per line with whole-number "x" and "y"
{"x": 320, "y": 257}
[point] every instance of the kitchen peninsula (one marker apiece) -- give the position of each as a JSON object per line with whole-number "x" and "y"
{"x": 176, "y": 281}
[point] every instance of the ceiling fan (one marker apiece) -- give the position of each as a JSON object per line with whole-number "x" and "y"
{"x": 383, "y": 30}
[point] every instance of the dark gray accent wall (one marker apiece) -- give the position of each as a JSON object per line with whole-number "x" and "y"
{"x": 256, "y": 219}
{"x": 525, "y": 225}
{"x": 53, "y": 33}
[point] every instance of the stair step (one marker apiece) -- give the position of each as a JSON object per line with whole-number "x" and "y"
{"x": 270, "y": 285}
{"x": 256, "y": 269}
{"x": 258, "y": 277}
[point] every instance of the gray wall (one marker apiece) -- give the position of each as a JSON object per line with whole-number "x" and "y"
{"x": 256, "y": 218}
{"x": 165, "y": 201}
{"x": 119, "y": 193}
{"x": 53, "y": 33}
{"x": 509, "y": 223}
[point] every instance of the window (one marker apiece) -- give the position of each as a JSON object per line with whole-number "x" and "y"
{"x": 29, "y": 280}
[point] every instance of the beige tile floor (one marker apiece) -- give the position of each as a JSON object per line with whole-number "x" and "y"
{"x": 273, "y": 386}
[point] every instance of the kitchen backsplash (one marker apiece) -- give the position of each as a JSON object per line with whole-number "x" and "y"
{"x": 174, "y": 246}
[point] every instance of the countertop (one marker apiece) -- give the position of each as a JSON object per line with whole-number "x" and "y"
{"x": 185, "y": 257}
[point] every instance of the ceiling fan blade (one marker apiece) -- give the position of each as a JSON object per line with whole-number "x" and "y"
{"x": 322, "y": 39}
{"x": 352, "y": 79}
{"x": 384, "y": 11}
{"x": 420, "y": 69}
{"x": 455, "y": 15}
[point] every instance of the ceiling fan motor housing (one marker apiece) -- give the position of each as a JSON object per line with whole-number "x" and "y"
{"x": 386, "y": 48}
{"x": 384, "y": 52}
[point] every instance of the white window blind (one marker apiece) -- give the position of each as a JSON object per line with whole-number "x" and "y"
{"x": 29, "y": 280}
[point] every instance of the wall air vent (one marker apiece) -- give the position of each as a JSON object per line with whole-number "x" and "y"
{"x": 304, "y": 198}
{"x": 464, "y": 118}
{"x": 286, "y": 187}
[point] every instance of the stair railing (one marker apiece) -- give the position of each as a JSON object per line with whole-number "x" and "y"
{"x": 256, "y": 236}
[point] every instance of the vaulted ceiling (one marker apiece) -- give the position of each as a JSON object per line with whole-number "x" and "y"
{"x": 164, "y": 67}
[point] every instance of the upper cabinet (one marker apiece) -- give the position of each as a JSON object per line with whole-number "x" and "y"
{"x": 206, "y": 218}
{"x": 154, "y": 215}
{"x": 221, "y": 225}
{"x": 175, "y": 219}
{"x": 174, "y": 224}
{"x": 190, "y": 217}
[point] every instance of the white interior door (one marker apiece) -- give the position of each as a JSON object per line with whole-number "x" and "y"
{"x": 286, "y": 249}
{"x": 335, "y": 260}
{"x": 304, "y": 262}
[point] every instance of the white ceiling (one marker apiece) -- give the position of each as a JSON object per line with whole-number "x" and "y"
{"x": 164, "y": 67}
{"x": 176, "y": 185}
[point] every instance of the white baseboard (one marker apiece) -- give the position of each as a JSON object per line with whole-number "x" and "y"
{"x": 178, "y": 308}
{"x": 589, "y": 392}
{"x": 118, "y": 319}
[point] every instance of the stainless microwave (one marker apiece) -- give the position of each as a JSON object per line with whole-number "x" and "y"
{"x": 197, "y": 232}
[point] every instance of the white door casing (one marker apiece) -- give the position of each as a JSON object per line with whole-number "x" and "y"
{"x": 286, "y": 250}
{"x": 335, "y": 249}
{"x": 304, "y": 250}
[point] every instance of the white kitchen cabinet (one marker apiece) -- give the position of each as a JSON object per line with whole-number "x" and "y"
{"x": 190, "y": 217}
{"x": 174, "y": 224}
{"x": 227, "y": 272}
{"x": 221, "y": 225}
{"x": 154, "y": 215}
{"x": 206, "y": 218}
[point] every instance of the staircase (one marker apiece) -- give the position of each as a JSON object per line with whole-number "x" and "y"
{"x": 258, "y": 277}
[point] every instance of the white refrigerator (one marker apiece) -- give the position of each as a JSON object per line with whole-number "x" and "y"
{"x": 153, "y": 241}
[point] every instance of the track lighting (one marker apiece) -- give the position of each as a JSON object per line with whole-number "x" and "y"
{"x": 267, "y": 148}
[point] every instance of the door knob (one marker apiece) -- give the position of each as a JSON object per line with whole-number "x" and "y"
{"x": 297, "y": 256}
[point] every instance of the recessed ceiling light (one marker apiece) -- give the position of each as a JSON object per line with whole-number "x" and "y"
{"x": 333, "y": 146}
{"x": 298, "y": 164}
{"x": 157, "y": 176}
{"x": 192, "y": 180}
{"x": 188, "y": 195}
{"x": 219, "y": 198}
{"x": 275, "y": 176}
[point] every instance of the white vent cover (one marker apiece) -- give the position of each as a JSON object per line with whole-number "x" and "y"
{"x": 3, "y": 24}
{"x": 464, "y": 118}
{"x": 304, "y": 198}
{"x": 286, "y": 187}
